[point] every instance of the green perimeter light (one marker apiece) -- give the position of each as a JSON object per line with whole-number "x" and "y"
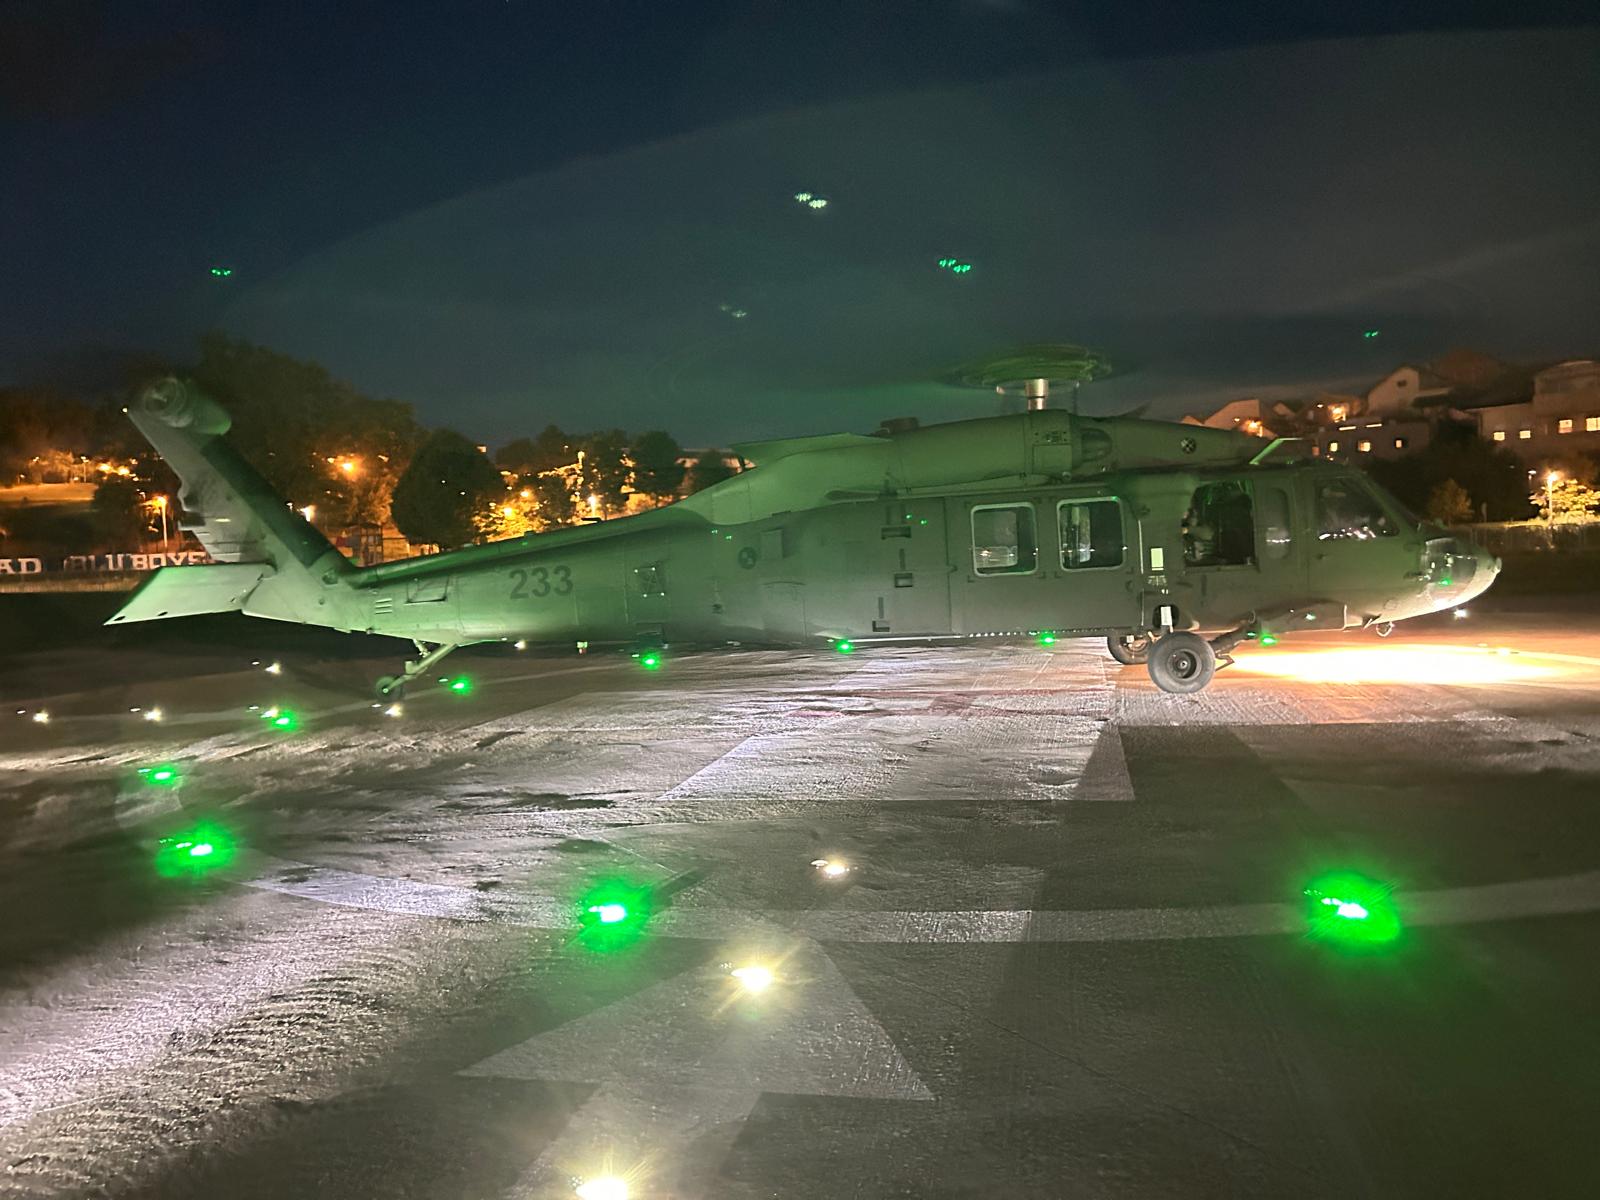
{"x": 460, "y": 685}
{"x": 161, "y": 775}
{"x": 1268, "y": 639}
{"x": 650, "y": 660}
{"x": 283, "y": 719}
{"x": 1351, "y": 909}
{"x": 845, "y": 646}
{"x": 1047, "y": 638}
{"x": 612, "y": 914}
{"x": 194, "y": 851}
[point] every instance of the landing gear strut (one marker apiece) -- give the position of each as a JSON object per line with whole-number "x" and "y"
{"x": 392, "y": 687}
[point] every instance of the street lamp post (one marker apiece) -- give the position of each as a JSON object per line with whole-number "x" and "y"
{"x": 161, "y": 503}
{"x": 1550, "y": 480}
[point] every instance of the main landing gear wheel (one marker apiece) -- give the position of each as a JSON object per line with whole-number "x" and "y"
{"x": 390, "y": 687}
{"x": 1182, "y": 663}
{"x": 1129, "y": 649}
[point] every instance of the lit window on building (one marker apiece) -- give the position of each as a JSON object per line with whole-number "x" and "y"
{"x": 1591, "y": 424}
{"x": 1333, "y": 447}
{"x": 1399, "y": 443}
{"x": 1499, "y": 435}
{"x": 1564, "y": 425}
{"x": 1524, "y": 434}
{"x": 1364, "y": 447}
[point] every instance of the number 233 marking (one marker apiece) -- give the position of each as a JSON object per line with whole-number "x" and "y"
{"x": 539, "y": 582}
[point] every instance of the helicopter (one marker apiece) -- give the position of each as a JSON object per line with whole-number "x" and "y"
{"x": 1173, "y": 542}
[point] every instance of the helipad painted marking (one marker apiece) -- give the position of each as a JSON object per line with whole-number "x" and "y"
{"x": 681, "y": 1065}
{"x": 1553, "y": 896}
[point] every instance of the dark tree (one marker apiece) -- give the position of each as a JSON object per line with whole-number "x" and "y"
{"x": 117, "y": 512}
{"x": 552, "y": 496}
{"x": 605, "y": 468}
{"x": 710, "y": 466}
{"x": 449, "y": 482}
{"x": 290, "y": 417}
{"x": 656, "y": 469}
{"x": 529, "y": 456}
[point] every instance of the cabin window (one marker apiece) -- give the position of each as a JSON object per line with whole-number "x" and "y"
{"x": 1277, "y": 535}
{"x": 1004, "y": 539}
{"x": 1346, "y": 511}
{"x": 1499, "y": 435}
{"x": 1564, "y": 425}
{"x": 1219, "y": 529}
{"x": 1091, "y": 533}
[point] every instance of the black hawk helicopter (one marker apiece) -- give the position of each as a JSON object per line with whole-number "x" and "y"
{"x": 1173, "y": 542}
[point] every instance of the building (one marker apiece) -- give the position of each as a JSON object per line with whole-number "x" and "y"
{"x": 1399, "y": 413}
{"x": 1558, "y": 418}
{"x": 1255, "y": 417}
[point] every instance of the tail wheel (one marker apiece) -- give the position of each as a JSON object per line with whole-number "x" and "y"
{"x": 1130, "y": 649}
{"x": 1182, "y": 663}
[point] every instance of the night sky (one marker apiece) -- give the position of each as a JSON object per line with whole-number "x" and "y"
{"x": 510, "y": 213}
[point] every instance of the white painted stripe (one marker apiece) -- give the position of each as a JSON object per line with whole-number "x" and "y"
{"x": 1554, "y": 896}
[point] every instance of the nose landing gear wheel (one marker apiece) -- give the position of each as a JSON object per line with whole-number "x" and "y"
{"x": 390, "y": 687}
{"x": 1182, "y": 663}
{"x": 1129, "y": 649}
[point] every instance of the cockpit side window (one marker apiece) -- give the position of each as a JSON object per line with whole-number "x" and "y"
{"x": 1091, "y": 533}
{"x": 1219, "y": 529}
{"x": 1005, "y": 540}
{"x": 1346, "y": 511}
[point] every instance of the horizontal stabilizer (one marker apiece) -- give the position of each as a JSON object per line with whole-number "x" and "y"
{"x": 191, "y": 591}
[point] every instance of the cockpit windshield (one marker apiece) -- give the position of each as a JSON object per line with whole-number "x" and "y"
{"x": 1348, "y": 510}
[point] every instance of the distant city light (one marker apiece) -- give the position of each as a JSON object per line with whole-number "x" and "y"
{"x": 520, "y": 644}
{"x": 41, "y": 717}
{"x": 955, "y": 266}
{"x": 1369, "y": 334}
{"x": 273, "y": 668}
{"x": 221, "y": 272}
{"x": 153, "y": 714}
{"x": 309, "y": 511}
{"x": 817, "y": 202}
{"x": 394, "y": 710}
{"x": 1460, "y": 614}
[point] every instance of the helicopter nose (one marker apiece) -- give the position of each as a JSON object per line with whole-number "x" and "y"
{"x": 1456, "y": 571}
{"x": 1486, "y": 570}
